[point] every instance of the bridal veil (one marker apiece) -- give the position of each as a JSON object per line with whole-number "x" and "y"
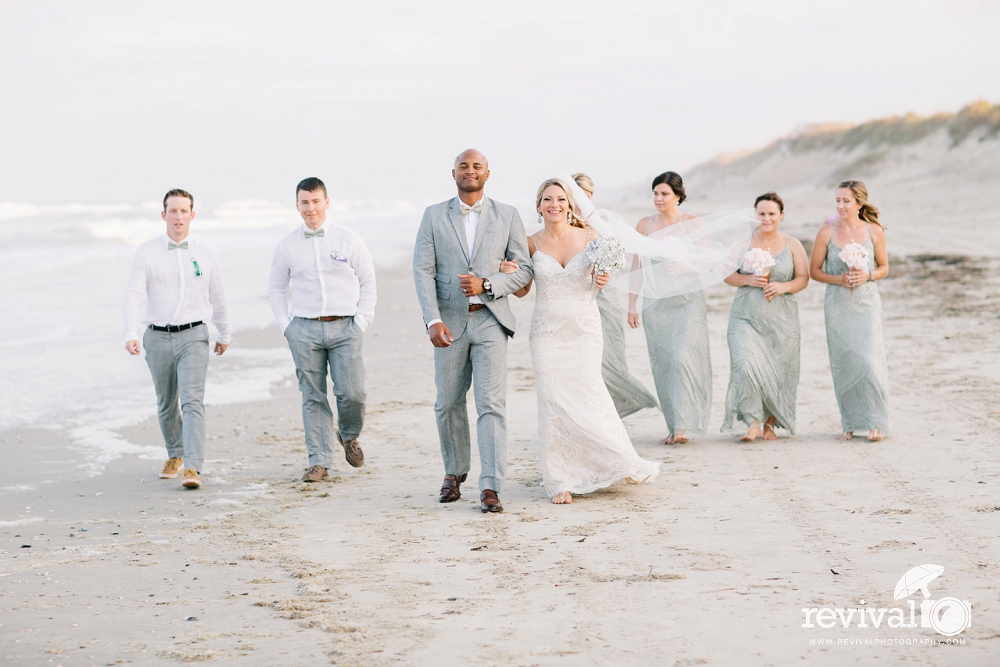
{"x": 679, "y": 259}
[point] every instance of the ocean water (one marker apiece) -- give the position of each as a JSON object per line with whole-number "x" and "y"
{"x": 63, "y": 269}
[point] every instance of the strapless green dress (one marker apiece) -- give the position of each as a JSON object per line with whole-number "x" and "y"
{"x": 627, "y": 392}
{"x": 677, "y": 338}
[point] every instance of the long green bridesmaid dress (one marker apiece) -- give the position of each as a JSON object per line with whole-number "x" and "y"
{"x": 628, "y": 393}
{"x": 857, "y": 347}
{"x": 764, "y": 352}
{"x": 677, "y": 338}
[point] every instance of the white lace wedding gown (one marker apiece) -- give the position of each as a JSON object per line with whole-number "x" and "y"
{"x": 584, "y": 445}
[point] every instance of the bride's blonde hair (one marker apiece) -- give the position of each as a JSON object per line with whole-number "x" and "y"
{"x": 573, "y": 218}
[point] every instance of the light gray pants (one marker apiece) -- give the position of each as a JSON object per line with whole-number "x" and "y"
{"x": 316, "y": 346}
{"x": 178, "y": 363}
{"x": 479, "y": 357}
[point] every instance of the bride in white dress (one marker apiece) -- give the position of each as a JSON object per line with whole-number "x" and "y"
{"x": 584, "y": 445}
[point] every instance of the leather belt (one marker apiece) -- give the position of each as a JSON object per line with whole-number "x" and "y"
{"x": 328, "y": 318}
{"x": 473, "y": 307}
{"x": 176, "y": 328}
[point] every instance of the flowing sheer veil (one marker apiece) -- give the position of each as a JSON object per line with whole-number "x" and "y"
{"x": 679, "y": 259}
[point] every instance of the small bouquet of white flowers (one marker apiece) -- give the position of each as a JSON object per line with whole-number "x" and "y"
{"x": 606, "y": 254}
{"x": 758, "y": 261}
{"x": 855, "y": 256}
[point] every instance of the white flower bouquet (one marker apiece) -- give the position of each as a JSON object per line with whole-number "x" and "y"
{"x": 606, "y": 254}
{"x": 758, "y": 261}
{"x": 855, "y": 256}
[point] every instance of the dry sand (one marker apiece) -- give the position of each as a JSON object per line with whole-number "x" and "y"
{"x": 711, "y": 565}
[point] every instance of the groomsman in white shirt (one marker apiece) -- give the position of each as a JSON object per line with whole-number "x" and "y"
{"x": 333, "y": 302}
{"x": 182, "y": 281}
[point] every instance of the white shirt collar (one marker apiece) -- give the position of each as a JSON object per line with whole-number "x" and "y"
{"x": 460, "y": 202}
{"x": 324, "y": 226}
{"x": 167, "y": 240}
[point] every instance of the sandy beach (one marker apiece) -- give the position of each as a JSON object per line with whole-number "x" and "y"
{"x": 712, "y": 564}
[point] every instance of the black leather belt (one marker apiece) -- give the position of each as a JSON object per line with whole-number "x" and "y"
{"x": 176, "y": 328}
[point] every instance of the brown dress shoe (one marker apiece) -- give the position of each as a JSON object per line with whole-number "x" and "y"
{"x": 352, "y": 451}
{"x": 449, "y": 488}
{"x": 489, "y": 502}
{"x": 315, "y": 474}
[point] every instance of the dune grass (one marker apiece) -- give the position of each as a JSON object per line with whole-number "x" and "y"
{"x": 900, "y": 130}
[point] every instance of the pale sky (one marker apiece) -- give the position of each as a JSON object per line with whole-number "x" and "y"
{"x": 106, "y": 101}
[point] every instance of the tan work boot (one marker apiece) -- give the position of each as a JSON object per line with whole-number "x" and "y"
{"x": 352, "y": 451}
{"x": 191, "y": 479}
{"x": 315, "y": 474}
{"x": 171, "y": 468}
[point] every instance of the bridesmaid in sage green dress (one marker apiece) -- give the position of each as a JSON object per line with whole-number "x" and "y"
{"x": 764, "y": 331}
{"x": 627, "y": 392}
{"x": 853, "y": 310}
{"x": 676, "y": 328}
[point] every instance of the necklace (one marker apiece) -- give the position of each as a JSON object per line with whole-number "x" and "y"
{"x": 761, "y": 237}
{"x": 845, "y": 228}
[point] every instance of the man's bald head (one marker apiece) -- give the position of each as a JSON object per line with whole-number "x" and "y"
{"x": 471, "y": 155}
{"x": 471, "y": 172}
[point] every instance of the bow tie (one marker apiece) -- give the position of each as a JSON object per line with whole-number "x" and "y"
{"x": 477, "y": 207}
{"x": 318, "y": 232}
{"x": 171, "y": 245}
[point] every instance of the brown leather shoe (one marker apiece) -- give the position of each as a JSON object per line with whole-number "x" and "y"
{"x": 449, "y": 488}
{"x": 352, "y": 451}
{"x": 316, "y": 474}
{"x": 489, "y": 502}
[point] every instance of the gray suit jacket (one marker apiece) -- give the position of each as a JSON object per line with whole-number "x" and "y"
{"x": 442, "y": 252}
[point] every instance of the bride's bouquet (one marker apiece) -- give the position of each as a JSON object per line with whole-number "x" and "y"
{"x": 758, "y": 262}
{"x": 606, "y": 254}
{"x": 855, "y": 256}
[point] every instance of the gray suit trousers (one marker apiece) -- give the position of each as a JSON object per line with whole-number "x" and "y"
{"x": 315, "y": 347}
{"x": 479, "y": 358}
{"x": 178, "y": 363}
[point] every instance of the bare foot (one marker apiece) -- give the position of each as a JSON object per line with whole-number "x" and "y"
{"x": 680, "y": 438}
{"x": 874, "y": 435}
{"x": 769, "y": 433}
{"x": 563, "y": 498}
{"x": 669, "y": 440}
{"x": 846, "y": 435}
{"x": 752, "y": 434}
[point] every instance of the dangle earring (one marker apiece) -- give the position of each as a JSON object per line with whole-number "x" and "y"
{"x": 569, "y": 218}
{"x": 540, "y": 221}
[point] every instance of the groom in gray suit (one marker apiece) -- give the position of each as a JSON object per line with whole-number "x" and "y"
{"x": 456, "y": 268}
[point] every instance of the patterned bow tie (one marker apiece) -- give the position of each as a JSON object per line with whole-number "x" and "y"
{"x": 477, "y": 207}
{"x": 318, "y": 232}
{"x": 172, "y": 246}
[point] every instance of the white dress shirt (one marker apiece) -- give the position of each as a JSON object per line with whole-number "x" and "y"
{"x": 331, "y": 274}
{"x": 471, "y": 222}
{"x": 175, "y": 293}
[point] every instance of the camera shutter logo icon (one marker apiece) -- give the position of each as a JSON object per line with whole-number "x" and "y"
{"x": 947, "y": 616}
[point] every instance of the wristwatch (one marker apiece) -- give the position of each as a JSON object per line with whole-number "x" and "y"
{"x": 487, "y": 287}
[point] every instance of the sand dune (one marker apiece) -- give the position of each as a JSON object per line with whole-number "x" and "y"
{"x": 936, "y": 179}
